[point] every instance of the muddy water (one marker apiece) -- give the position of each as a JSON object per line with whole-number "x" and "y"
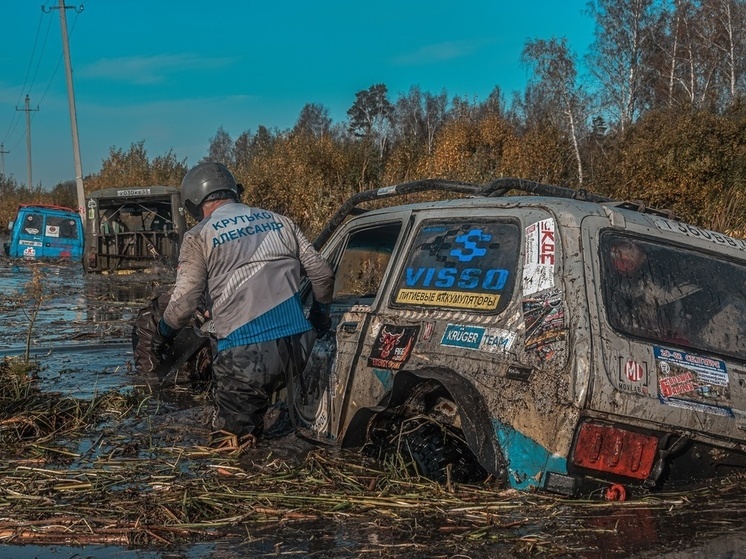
{"x": 81, "y": 336}
{"x": 81, "y": 333}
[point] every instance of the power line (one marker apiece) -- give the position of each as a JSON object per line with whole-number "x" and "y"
{"x": 59, "y": 60}
{"x": 16, "y": 120}
{"x": 13, "y": 120}
{"x": 41, "y": 55}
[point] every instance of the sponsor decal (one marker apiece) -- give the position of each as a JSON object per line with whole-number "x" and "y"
{"x": 460, "y": 300}
{"x": 692, "y": 381}
{"x": 633, "y": 376}
{"x": 459, "y": 266}
{"x": 538, "y": 264}
{"x": 393, "y": 346}
{"x": 386, "y": 191}
{"x": 633, "y": 370}
{"x": 544, "y": 315}
{"x": 32, "y": 230}
{"x": 52, "y": 231}
{"x": 29, "y": 251}
{"x": 134, "y": 192}
{"x": 493, "y": 340}
{"x": 691, "y": 231}
{"x": 24, "y": 242}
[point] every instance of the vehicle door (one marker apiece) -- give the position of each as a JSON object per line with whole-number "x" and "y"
{"x": 29, "y": 239}
{"x": 361, "y": 257}
{"x": 62, "y": 237}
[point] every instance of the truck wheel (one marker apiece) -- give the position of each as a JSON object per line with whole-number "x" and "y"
{"x": 430, "y": 450}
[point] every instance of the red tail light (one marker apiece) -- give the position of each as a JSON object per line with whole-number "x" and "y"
{"x": 614, "y": 450}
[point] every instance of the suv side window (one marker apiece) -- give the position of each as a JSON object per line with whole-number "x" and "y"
{"x": 669, "y": 294}
{"x": 364, "y": 261}
{"x": 461, "y": 264}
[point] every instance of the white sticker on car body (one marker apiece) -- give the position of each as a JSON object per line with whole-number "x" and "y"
{"x": 538, "y": 264}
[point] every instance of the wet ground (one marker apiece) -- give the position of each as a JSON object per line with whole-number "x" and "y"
{"x": 81, "y": 338}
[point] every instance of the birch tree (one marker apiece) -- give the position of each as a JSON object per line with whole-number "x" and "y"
{"x": 555, "y": 75}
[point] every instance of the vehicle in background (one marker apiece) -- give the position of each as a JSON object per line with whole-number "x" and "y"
{"x": 45, "y": 231}
{"x": 133, "y": 228}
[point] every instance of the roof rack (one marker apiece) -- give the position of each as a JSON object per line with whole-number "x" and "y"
{"x": 496, "y": 188}
{"x": 48, "y": 207}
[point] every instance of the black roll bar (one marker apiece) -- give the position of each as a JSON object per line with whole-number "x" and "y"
{"x": 496, "y": 188}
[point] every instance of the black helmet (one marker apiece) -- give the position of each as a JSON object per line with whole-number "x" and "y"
{"x": 203, "y": 180}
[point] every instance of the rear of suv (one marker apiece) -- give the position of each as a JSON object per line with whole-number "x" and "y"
{"x": 558, "y": 340}
{"x": 45, "y": 231}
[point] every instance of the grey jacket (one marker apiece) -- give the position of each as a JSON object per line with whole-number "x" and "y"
{"x": 248, "y": 263}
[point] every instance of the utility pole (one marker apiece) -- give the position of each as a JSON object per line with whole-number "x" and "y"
{"x": 71, "y": 104}
{"x": 2, "y": 160}
{"x": 27, "y": 110}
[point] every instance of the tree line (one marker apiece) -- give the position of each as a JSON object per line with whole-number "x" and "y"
{"x": 658, "y": 117}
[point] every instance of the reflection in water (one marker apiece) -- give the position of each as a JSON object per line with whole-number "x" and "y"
{"x": 82, "y": 333}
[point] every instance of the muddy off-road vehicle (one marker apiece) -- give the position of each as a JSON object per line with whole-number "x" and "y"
{"x": 44, "y": 231}
{"x": 133, "y": 228}
{"x": 556, "y": 340}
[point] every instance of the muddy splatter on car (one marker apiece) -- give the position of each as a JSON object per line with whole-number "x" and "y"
{"x": 554, "y": 340}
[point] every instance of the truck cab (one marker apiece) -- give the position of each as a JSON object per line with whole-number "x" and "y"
{"x": 133, "y": 228}
{"x": 42, "y": 231}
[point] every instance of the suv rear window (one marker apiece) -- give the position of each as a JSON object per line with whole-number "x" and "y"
{"x": 669, "y": 294}
{"x": 62, "y": 227}
{"x": 461, "y": 265}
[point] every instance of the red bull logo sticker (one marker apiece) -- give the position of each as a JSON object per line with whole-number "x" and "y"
{"x": 393, "y": 346}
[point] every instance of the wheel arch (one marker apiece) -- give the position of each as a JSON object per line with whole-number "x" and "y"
{"x": 473, "y": 412}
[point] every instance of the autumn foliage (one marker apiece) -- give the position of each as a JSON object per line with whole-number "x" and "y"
{"x": 661, "y": 121}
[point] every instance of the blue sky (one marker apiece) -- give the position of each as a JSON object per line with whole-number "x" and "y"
{"x": 171, "y": 72}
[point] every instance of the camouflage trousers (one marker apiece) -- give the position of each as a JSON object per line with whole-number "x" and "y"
{"x": 244, "y": 379}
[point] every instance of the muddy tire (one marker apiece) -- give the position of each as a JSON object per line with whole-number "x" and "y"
{"x": 430, "y": 450}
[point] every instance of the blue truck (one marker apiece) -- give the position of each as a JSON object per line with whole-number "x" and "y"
{"x": 42, "y": 231}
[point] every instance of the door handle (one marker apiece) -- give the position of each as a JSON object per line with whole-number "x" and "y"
{"x": 349, "y": 327}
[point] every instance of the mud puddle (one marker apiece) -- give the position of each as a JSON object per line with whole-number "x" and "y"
{"x": 81, "y": 338}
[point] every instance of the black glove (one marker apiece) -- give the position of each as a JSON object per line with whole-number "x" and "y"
{"x": 162, "y": 342}
{"x": 319, "y": 318}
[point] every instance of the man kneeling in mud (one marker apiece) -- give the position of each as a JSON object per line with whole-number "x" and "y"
{"x": 248, "y": 261}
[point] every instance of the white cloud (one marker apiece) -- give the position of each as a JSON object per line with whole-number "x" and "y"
{"x": 440, "y": 52}
{"x": 149, "y": 69}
